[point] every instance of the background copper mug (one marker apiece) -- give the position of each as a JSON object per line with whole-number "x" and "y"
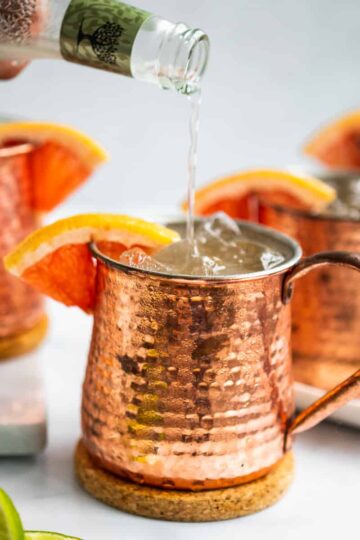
{"x": 21, "y": 308}
{"x": 189, "y": 381}
{"x": 326, "y": 304}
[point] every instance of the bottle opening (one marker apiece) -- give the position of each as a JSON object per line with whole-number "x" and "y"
{"x": 197, "y": 45}
{"x": 170, "y": 55}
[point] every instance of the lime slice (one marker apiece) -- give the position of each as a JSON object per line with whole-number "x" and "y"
{"x": 10, "y": 523}
{"x": 42, "y": 535}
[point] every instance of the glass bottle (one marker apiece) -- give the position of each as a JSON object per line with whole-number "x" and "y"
{"x": 105, "y": 34}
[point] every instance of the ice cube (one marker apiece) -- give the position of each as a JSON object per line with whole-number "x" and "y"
{"x": 219, "y": 227}
{"x": 140, "y": 259}
{"x": 270, "y": 259}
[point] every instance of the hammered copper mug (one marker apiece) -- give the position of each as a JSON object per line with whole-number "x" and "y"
{"x": 189, "y": 381}
{"x": 22, "y": 319}
{"x": 326, "y": 305}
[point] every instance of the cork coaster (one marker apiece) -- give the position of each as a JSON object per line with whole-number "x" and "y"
{"x": 26, "y": 341}
{"x": 173, "y": 505}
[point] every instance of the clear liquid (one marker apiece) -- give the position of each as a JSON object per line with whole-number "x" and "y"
{"x": 223, "y": 249}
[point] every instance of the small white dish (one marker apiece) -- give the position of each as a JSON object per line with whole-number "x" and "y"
{"x": 305, "y": 395}
{"x": 22, "y": 406}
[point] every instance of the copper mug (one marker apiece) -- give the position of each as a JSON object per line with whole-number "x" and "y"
{"x": 22, "y": 320}
{"x": 326, "y": 304}
{"x": 189, "y": 381}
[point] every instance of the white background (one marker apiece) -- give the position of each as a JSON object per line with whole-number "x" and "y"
{"x": 277, "y": 70}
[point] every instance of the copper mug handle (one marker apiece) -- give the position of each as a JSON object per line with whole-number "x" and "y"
{"x": 346, "y": 390}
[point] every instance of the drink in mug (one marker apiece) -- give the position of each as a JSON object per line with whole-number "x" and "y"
{"x": 198, "y": 347}
{"x": 220, "y": 248}
{"x": 35, "y": 176}
{"x": 22, "y": 316}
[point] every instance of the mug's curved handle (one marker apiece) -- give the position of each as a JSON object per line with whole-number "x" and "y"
{"x": 348, "y": 389}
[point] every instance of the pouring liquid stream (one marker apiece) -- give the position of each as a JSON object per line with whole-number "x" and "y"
{"x": 214, "y": 247}
{"x": 195, "y": 102}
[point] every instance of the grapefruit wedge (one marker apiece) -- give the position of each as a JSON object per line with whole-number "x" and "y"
{"x": 337, "y": 144}
{"x": 56, "y": 259}
{"x": 238, "y": 195}
{"x": 62, "y": 159}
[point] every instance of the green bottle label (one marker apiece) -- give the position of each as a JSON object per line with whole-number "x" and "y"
{"x": 101, "y": 33}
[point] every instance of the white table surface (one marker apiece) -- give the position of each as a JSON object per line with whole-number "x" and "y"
{"x": 323, "y": 502}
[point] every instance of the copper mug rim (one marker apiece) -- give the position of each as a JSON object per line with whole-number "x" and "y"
{"x": 289, "y": 244}
{"x": 308, "y": 214}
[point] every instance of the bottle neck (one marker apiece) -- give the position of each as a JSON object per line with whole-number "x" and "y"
{"x": 170, "y": 55}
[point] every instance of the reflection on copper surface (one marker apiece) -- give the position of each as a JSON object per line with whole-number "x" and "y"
{"x": 21, "y": 307}
{"x": 326, "y": 303}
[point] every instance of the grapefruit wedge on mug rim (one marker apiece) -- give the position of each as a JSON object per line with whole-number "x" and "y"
{"x": 62, "y": 158}
{"x": 337, "y": 144}
{"x": 57, "y": 261}
{"x": 238, "y": 195}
